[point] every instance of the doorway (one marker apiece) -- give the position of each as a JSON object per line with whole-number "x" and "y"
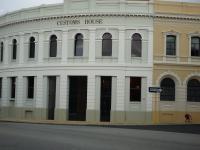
{"x": 51, "y": 96}
{"x": 77, "y": 98}
{"x": 105, "y": 104}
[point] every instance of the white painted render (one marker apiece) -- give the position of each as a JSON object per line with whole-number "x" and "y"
{"x": 42, "y": 22}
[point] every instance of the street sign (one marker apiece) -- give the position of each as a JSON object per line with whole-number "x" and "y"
{"x": 155, "y": 89}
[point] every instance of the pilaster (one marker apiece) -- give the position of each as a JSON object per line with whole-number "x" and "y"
{"x": 92, "y": 45}
{"x": 121, "y": 53}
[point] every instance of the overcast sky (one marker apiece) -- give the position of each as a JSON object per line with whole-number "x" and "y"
{"x": 11, "y": 5}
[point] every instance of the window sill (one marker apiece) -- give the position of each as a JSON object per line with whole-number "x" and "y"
{"x": 171, "y": 56}
{"x": 12, "y": 99}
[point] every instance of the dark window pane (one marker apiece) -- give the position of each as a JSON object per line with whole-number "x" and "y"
{"x": 171, "y": 45}
{"x": 2, "y": 46}
{"x": 107, "y": 45}
{"x": 14, "y": 52}
{"x": 31, "y": 87}
{"x": 193, "y": 90}
{"x": 0, "y": 87}
{"x": 53, "y": 46}
{"x": 13, "y": 85}
{"x": 195, "y": 46}
{"x": 136, "y": 45}
{"x": 32, "y": 48}
{"x": 168, "y": 90}
{"x": 78, "y": 51}
{"x": 135, "y": 89}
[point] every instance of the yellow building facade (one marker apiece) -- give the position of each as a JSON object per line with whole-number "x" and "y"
{"x": 176, "y": 62}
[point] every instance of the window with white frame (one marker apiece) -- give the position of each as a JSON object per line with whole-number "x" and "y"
{"x": 171, "y": 47}
{"x": 195, "y": 46}
{"x": 136, "y": 45}
{"x": 53, "y": 46}
{"x": 1, "y": 52}
{"x": 14, "y": 49}
{"x": 32, "y": 47}
{"x": 107, "y": 44}
{"x": 78, "y": 45}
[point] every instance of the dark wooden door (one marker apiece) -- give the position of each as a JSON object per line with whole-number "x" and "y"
{"x": 105, "y": 106}
{"x": 52, "y": 97}
{"x": 77, "y": 98}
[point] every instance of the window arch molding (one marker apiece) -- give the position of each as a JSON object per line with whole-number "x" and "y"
{"x": 107, "y": 44}
{"x": 14, "y": 49}
{"x": 192, "y": 90}
{"x": 53, "y": 45}
{"x": 32, "y": 47}
{"x": 78, "y": 44}
{"x": 168, "y": 86}
{"x": 2, "y": 47}
{"x": 136, "y": 45}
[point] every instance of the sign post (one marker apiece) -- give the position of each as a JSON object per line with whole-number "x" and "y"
{"x": 157, "y": 91}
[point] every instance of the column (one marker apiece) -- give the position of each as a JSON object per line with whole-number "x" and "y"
{"x": 150, "y": 48}
{"x": 61, "y": 108}
{"x": 21, "y": 49}
{"x": 121, "y": 53}
{"x": 92, "y": 41}
{"x": 120, "y": 100}
{"x": 19, "y": 97}
{"x": 64, "y": 46}
{"x": 4, "y": 99}
{"x": 91, "y": 109}
{"x": 6, "y": 52}
{"x": 41, "y": 47}
{"x": 39, "y": 100}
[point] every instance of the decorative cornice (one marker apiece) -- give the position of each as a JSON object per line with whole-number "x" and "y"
{"x": 101, "y": 14}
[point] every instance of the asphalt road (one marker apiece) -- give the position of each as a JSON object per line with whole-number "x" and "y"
{"x": 19, "y": 136}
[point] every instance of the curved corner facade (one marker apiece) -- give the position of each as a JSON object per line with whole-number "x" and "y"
{"x": 82, "y": 64}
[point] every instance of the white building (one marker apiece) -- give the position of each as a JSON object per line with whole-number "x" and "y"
{"x": 82, "y": 60}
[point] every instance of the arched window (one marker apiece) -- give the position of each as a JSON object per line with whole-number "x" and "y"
{"x": 32, "y": 47}
{"x": 193, "y": 90}
{"x": 168, "y": 90}
{"x": 171, "y": 45}
{"x": 2, "y": 46}
{"x": 78, "y": 48}
{"x": 14, "y": 49}
{"x": 53, "y": 46}
{"x": 136, "y": 45}
{"x": 107, "y": 44}
{"x": 195, "y": 46}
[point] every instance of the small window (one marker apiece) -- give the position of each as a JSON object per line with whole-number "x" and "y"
{"x": 135, "y": 89}
{"x": 0, "y": 87}
{"x": 107, "y": 44}
{"x": 30, "y": 86}
{"x": 168, "y": 90}
{"x": 78, "y": 49}
{"x": 14, "y": 49}
{"x": 195, "y": 46}
{"x": 13, "y": 86}
{"x": 2, "y": 46}
{"x": 171, "y": 45}
{"x": 193, "y": 90}
{"x": 136, "y": 45}
{"x": 53, "y": 46}
{"x": 32, "y": 47}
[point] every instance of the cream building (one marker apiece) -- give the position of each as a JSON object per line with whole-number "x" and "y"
{"x": 88, "y": 60}
{"x": 176, "y": 62}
